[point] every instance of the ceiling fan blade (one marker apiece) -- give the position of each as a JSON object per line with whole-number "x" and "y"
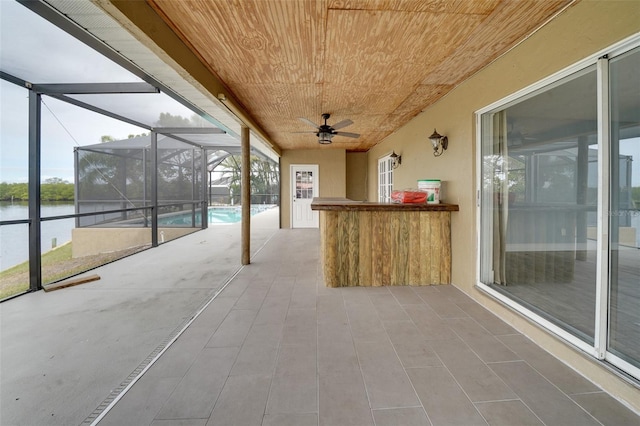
{"x": 343, "y": 123}
{"x": 309, "y": 122}
{"x": 347, "y": 134}
{"x": 307, "y": 131}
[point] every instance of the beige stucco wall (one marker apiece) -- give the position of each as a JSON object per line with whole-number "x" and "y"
{"x": 92, "y": 241}
{"x": 580, "y": 31}
{"x": 357, "y": 163}
{"x": 331, "y": 167}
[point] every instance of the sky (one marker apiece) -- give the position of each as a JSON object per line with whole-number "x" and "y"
{"x": 36, "y": 51}
{"x": 64, "y": 127}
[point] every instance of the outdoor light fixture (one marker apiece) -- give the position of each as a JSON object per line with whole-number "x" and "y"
{"x": 324, "y": 138}
{"x": 440, "y": 143}
{"x": 396, "y": 160}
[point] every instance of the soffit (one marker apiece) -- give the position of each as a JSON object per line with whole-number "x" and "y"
{"x": 376, "y": 62}
{"x": 112, "y": 33}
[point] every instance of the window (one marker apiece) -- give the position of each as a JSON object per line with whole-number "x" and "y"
{"x": 560, "y": 206}
{"x": 385, "y": 179}
{"x": 304, "y": 184}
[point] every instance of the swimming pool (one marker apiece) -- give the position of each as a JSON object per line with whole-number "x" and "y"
{"x": 217, "y": 215}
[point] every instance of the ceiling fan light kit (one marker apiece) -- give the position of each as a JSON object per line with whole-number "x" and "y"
{"x": 325, "y": 133}
{"x": 324, "y": 138}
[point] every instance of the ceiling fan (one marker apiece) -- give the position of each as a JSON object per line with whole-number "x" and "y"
{"x": 325, "y": 133}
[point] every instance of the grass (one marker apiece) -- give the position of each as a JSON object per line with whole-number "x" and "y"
{"x": 56, "y": 265}
{"x": 16, "y": 279}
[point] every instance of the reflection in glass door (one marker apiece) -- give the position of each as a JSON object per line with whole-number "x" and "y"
{"x": 540, "y": 168}
{"x": 624, "y": 217}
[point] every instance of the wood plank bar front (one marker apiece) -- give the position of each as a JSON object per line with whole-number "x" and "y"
{"x": 376, "y": 244}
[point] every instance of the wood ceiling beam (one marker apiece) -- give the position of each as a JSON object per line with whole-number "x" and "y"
{"x": 144, "y": 21}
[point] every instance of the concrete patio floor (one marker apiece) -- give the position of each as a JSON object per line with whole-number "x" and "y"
{"x": 62, "y": 353}
{"x": 276, "y": 347}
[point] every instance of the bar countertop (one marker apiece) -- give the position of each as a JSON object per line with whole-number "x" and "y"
{"x": 344, "y": 204}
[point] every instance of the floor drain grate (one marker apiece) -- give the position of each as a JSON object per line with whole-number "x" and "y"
{"x": 134, "y": 374}
{"x": 118, "y": 392}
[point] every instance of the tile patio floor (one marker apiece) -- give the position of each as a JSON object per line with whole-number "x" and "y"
{"x": 278, "y": 348}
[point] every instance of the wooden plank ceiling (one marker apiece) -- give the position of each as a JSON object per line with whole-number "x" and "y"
{"x": 376, "y": 62}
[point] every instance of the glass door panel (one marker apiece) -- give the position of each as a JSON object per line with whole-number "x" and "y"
{"x": 624, "y": 303}
{"x": 304, "y": 184}
{"x": 539, "y": 162}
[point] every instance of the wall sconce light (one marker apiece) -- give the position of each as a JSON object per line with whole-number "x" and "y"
{"x": 440, "y": 143}
{"x": 396, "y": 160}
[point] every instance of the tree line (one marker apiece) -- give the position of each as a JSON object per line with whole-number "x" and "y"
{"x": 264, "y": 177}
{"x": 264, "y": 180}
{"x": 52, "y": 189}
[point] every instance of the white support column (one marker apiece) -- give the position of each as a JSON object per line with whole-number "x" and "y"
{"x": 602, "y": 255}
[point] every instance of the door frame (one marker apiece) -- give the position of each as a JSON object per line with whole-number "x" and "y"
{"x": 599, "y": 349}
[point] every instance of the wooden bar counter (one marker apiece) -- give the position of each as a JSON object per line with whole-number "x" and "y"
{"x": 375, "y": 244}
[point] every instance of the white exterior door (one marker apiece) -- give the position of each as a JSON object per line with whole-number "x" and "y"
{"x": 304, "y": 186}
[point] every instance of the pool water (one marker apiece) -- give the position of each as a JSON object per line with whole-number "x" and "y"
{"x": 217, "y": 215}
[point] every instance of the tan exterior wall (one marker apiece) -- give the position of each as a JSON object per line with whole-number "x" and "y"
{"x": 579, "y": 32}
{"x": 90, "y": 241}
{"x": 357, "y": 163}
{"x": 331, "y": 167}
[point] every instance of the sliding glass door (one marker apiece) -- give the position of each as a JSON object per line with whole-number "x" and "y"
{"x": 560, "y": 206}
{"x": 624, "y": 296}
